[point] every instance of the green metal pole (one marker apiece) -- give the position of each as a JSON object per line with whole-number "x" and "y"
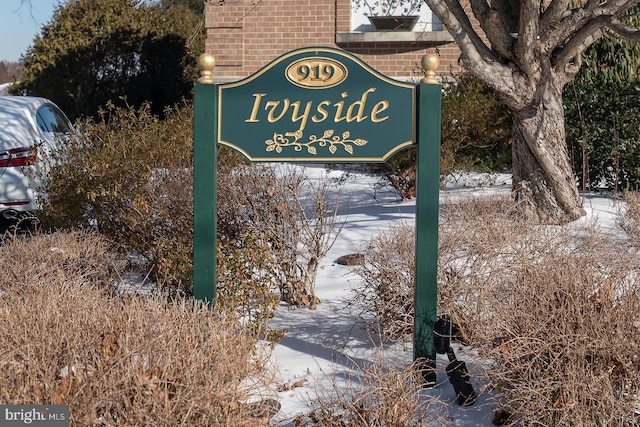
{"x": 204, "y": 192}
{"x": 427, "y": 205}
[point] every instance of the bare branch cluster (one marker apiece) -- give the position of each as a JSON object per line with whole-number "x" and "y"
{"x": 378, "y": 394}
{"x": 529, "y": 38}
{"x": 295, "y": 219}
{"x": 116, "y": 359}
{"x": 553, "y": 310}
{"x": 386, "y": 292}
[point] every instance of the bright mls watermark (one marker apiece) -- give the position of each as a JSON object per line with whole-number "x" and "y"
{"x": 34, "y": 415}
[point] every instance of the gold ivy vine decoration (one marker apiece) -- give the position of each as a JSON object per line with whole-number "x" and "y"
{"x": 292, "y": 139}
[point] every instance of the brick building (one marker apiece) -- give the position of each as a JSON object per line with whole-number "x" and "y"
{"x": 245, "y": 35}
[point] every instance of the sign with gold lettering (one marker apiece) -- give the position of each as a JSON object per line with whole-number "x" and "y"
{"x": 316, "y": 104}
{"x": 321, "y": 104}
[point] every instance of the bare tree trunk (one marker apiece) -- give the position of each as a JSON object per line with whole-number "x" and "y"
{"x": 543, "y": 179}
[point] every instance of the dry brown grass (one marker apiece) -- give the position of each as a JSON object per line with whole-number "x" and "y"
{"x": 629, "y": 217}
{"x": 378, "y": 394}
{"x": 386, "y": 292}
{"x": 557, "y": 318}
{"x": 553, "y": 311}
{"x": 116, "y": 360}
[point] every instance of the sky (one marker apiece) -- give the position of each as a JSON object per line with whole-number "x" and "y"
{"x": 19, "y": 24}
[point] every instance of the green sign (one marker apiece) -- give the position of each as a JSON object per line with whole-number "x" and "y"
{"x": 317, "y": 105}
{"x": 321, "y": 104}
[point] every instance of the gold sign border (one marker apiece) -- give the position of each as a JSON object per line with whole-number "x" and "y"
{"x": 317, "y": 51}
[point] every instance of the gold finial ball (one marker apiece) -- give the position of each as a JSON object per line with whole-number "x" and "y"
{"x": 430, "y": 63}
{"x": 206, "y": 63}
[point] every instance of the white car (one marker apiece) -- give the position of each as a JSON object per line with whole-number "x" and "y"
{"x": 30, "y": 129}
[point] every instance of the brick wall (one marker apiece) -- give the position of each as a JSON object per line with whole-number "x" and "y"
{"x": 245, "y": 35}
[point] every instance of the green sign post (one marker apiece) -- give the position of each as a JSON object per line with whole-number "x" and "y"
{"x": 324, "y": 105}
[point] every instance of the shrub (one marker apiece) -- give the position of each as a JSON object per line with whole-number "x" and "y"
{"x": 129, "y": 177}
{"x": 476, "y": 128}
{"x": 116, "y": 359}
{"x": 245, "y": 283}
{"x": 551, "y": 310}
{"x": 378, "y": 394}
{"x": 401, "y": 172}
{"x": 552, "y": 313}
{"x": 602, "y": 131}
{"x": 387, "y": 291}
{"x": 291, "y": 219}
{"x": 92, "y": 52}
{"x": 601, "y": 110}
{"x": 629, "y": 217}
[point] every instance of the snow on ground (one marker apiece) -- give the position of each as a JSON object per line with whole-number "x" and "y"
{"x": 322, "y": 346}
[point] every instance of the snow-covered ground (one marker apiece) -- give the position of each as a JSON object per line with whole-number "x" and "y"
{"x": 322, "y": 346}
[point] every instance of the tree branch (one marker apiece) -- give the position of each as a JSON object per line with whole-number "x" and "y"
{"x": 552, "y": 15}
{"x": 571, "y": 69}
{"x": 618, "y": 29}
{"x": 574, "y": 20}
{"x": 493, "y": 24}
{"x": 476, "y": 56}
{"x": 586, "y": 25}
{"x": 528, "y": 36}
{"x": 510, "y": 11}
{"x": 580, "y": 41}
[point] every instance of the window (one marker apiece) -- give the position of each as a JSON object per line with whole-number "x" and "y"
{"x": 51, "y": 119}
{"x": 427, "y": 21}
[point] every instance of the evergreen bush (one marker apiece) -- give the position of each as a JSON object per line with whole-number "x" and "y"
{"x": 475, "y": 136}
{"x": 602, "y": 109}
